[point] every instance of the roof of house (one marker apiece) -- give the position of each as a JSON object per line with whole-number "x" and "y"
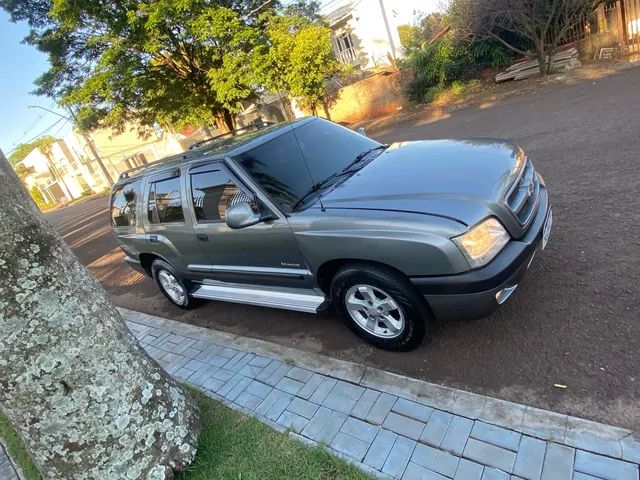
{"x": 338, "y": 14}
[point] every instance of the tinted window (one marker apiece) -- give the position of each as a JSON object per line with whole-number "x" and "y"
{"x": 279, "y": 168}
{"x": 213, "y": 192}
{"x": 123, "y": 205}
{"x": 165, "y": 204}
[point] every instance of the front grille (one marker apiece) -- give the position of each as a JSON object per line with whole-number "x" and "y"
{"x": 523, "y": 195}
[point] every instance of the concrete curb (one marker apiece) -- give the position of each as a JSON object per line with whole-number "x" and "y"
{"x": 546, "y": 425}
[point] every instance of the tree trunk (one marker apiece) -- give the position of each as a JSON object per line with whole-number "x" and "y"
{"x": 207, "y": 131}
{"x": 325, "y": 106}
{"x": 225, "y": 121}
{"x": 85, "y": 398}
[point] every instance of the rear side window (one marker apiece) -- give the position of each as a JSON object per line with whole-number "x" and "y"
{"x": 123, "y": 205}
{"x": 165, "y": 203}
{"x": 213, "y": 192}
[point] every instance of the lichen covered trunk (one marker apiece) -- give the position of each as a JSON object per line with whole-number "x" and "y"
{"x": 86, "y": 399}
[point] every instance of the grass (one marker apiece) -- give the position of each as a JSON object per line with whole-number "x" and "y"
{"x": 231, "y": 446}
{"x": 16, "y": 449}
{"x": 235, "y": 446}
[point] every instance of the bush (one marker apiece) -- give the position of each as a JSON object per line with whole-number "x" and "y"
{"x": 437, "y": 65}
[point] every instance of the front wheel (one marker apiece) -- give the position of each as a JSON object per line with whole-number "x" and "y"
{"x": 171, "y": 285}
{"x": 380, "y": 306}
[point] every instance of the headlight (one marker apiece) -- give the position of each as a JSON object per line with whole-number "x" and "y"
{"x": 482, "y": 242}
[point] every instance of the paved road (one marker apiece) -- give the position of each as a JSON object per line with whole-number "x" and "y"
{"x": 575, "y": 320}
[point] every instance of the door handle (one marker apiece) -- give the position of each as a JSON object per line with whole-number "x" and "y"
{"x": 202, "y": 237}
{"x": 153, "y": 239}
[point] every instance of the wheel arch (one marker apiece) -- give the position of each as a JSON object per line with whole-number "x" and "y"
{"x": 328, "y": 270}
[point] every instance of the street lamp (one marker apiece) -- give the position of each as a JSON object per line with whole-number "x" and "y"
{"x": 88, "y": 141}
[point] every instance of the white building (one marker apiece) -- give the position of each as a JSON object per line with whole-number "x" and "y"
{"x": 365, "y": 32}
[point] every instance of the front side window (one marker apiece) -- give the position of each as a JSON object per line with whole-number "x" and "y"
{"x": 123, "y": 205}
{"x": 213, "y": 192}
{"x": 165, "y": 203}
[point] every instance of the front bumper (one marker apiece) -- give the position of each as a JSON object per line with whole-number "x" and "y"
{"x": 472, "y": 294}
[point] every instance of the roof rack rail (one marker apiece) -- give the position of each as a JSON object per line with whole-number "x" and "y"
{"x": 128, "y": 173}
{"x": 259, "y": 125}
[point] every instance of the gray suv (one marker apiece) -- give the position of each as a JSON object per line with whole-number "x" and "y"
{"x": 312, "y": 216}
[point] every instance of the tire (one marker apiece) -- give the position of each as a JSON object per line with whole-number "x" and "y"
{"x": 162, "y": 272}
{"x": 379, "y": 323}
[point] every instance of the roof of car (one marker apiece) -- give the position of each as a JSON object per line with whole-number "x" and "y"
{"x": 217, "y": 149}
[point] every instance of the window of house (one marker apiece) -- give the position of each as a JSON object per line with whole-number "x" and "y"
{"x": 165, "y": 203}
{"x": 344, "y": 41}
{"x": 123, "y": 205}
{"x": 213, "y": 192}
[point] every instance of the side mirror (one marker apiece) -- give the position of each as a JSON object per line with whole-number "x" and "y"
{"x": 241, "y": 216}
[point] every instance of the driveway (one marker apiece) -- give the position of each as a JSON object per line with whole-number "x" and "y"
{"x": 574, "y": 321}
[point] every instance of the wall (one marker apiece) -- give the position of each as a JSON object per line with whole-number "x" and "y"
{"x": 375, "y": 96}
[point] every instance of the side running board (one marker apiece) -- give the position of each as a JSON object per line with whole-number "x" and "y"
{"x": 299, "y": 302}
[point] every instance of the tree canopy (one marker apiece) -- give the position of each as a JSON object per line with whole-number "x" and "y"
{"x": 23, "y": 149}
{"x": 170, "y": 62}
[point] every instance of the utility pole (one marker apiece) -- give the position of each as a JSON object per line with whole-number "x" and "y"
{"x": 386, "y": 24}
{"x": 87, "y": 140}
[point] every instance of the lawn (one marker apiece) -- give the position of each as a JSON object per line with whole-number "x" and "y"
{"x": 232, "y": 446}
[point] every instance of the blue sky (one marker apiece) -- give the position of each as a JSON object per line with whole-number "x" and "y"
{"x": 20, "y": 65}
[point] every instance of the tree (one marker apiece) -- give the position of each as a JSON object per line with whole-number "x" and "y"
{"x": 23, "y": 149}
{"x": 85, "y": 398}
{"x": 301, "y": 62}
{"x": 542, "y": 24}
{"x": 158, "y": 61}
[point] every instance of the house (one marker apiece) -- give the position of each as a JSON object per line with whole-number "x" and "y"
{"x": 365, "y": 32}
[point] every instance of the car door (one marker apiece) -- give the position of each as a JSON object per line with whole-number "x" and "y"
{"x": 262, "y": 254}
{"x": 169, "y": 233}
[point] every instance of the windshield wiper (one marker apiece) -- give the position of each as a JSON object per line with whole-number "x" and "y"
{"x": 345, "y": 171}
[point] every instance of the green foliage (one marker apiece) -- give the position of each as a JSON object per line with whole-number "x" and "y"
{"x": 23, "y": 149}
{"x": 38, "y": 198}
{"x": 17, "y": 450}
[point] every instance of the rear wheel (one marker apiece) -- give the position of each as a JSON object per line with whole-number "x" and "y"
{"x": 380, "y": 306}
{"x": 171, "y": 284}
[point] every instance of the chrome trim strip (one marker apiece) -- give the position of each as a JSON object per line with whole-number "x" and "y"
{"x": 265, "y": 271}
{"x": 299, "y": 302}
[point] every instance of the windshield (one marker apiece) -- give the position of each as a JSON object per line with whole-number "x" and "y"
{"x": 279, "y": 164}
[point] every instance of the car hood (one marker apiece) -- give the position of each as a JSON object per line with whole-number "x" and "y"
{"x": 457, "y": 179}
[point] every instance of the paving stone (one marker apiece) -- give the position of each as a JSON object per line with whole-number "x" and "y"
{"x": 594, "y": 437}
{"x": 416, "y": 472}
{"x": 490, "y": 473}
{"x": 184, "y": 373}
{"x": 363, "y": 406}
{"x": 324, "y": 425}
{"x": 311, "y": 386}
{"x": 236, "y": 365}
{"x": 279, "y": 406}
{"x": 498, "y": 436}
{"x": 456, "y": 435}
{"x": 195, "y": 365}
{"x": 268, "y": 371}
{"x": 381, "y": 408}
{"x": 269, "y": 401}
{"x": 468, "y": 470}
{"x": 348, "y": 390}
{"x": 247, "y": 400}
{"x": 411, "y": 409}
{"x": 399, "y": 457}
{"x": 212, "y": 384}
{"x": 300, "y": 374}
{"x": 631, "y": 447}
{"x": 529, "y": 458}
{"x": 289, "y": 385}
{"x": 436, "y": 428}
{"x": 436, "y": 460}
{"x": 403, "y": 425}
{"x": 380, "y": 448}
{"x": 303, "y": 407}
{"x": 558, "y": 462}
{"x": 321, "y": 392}
{"x": 259, "y": 361}
{"x": 278, "y": 375}
{"x": 217, "y": 361}
{"x": 543, "y": 424}
{"x": 490, "y": 455}
{"x": 258, "y": 389}
{"x": 250, "y": 371}
{"x": 359, "y": 429}
{"x": 237, "y": 389}
{"x": 191, "y": 352}
{"x": 604, "y": 467}
{"x": 222, "y": 374}
{"x": 347, "y": 445}
{"x": 583, "y": 476}
{"x": 229, "y": 352}
{"x": 338, "y": 402}
{"x": 292, "y": 421}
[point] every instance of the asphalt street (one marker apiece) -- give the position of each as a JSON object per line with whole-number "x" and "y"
{"x": 573, "y": 321}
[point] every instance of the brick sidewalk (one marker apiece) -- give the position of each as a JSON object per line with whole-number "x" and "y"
{"x": 391, "y": 426}
{"x": 7, "y": 469}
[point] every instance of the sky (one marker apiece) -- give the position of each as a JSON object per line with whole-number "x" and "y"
{"x": 20, "y": 65}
